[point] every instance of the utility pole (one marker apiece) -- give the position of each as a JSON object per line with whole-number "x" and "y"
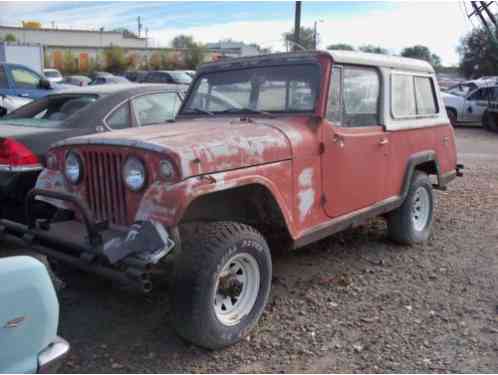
{"x": 315, "y": 34}
{"x": 139, "y": 26}
{"x": 297, "y": 25}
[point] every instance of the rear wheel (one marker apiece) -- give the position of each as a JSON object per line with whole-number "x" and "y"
{"x": 491, "y": 122}
{"x": 412, "y": 222}
{"x": 221, "y": 283}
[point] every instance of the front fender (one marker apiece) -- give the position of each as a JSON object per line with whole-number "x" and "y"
{"x": 167, "y": 203}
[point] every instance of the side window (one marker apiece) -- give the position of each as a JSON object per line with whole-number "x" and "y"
{"x": 3, "y": 79}
{"x": 25, "y": 79}
{"x": 120, "y": 118}
{"x": 481, "y": 94}
{"x": 403, "y": 96}
{"x": 156, "y": 108}
{"x": 425, "y": 96}
{"x": 360, "y": 96}
{"x": 334, "y": 103}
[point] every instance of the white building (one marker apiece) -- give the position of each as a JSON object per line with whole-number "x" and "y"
{"x": 231, "y": 48}
{"x": 73, "y": 38}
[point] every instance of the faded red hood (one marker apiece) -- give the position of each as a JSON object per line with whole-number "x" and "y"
{"x": 203, "y": 145}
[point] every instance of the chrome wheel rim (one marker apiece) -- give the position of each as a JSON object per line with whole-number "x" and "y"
{"x": 237, "y": 289}
{"x": 421, "y": 208}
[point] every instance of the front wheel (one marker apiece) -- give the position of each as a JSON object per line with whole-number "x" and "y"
{"x": 221, "y": 283}
{"x": 412, "y": 222}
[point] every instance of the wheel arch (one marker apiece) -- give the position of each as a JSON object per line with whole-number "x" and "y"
{"x": 253, "y": 202}
{"x": 425, "y": 161}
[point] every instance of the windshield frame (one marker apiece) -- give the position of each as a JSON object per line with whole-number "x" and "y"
{"x": 201, "y": 74}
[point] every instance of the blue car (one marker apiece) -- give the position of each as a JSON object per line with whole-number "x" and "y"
{"x": 29, "y": 317}
{"x": 19, "y": 80}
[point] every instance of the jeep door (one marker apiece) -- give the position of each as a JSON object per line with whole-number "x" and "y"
{"x": 356, "y": 149}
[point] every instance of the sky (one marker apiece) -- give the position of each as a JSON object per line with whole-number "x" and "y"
{"x": 392, "y": 25}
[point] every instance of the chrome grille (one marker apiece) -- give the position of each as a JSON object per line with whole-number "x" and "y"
{"x": 105, "y": 190}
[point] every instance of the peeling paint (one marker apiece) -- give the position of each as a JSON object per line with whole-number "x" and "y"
{"x": 306, "y": 195}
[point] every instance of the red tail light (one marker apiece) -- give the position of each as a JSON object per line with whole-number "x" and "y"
{"x": 15, "y": 156}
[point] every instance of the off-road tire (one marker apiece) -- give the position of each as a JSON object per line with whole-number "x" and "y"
{"x": 492, "y": 124}
{"x": 206, "y": 250}
{"x": 486, "y": 120}
{"x": 400, "y": 223}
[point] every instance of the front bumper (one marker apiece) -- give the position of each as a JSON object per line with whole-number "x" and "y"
{"x": 124, "y": 256}
{"x": 51, "y": 358}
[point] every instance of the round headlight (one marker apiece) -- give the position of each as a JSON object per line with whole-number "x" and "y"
{"x": 134, "y": 174}
{"x": 73, "y": 167}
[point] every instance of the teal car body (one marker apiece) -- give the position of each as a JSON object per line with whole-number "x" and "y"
{"x": 29, "y": 318}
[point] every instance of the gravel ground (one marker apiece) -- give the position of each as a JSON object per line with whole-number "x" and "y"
{"x": 352, "y": 303}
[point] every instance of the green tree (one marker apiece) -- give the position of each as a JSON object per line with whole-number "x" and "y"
{"x": 70, "y": 63}
{"x": 374, "y": 49}
{"x": 194, "y": 55}
{"x": 478, "y": 54}
{"x": 341, "y": 47}
{"x": 306, "y": 38}
{"x": 116, "y": 60}
{"x": 422, "y": 53}
{"x": 10, "y": 38}
{"x": 182, "y": 41}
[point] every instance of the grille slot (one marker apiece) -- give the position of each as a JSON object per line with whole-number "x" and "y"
{"x": 105, "y": 191}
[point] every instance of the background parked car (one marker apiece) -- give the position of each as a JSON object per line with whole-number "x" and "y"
{"x": 10, "y": 103}
{"x": 107, "y": 80}
{"x": 191, "y": 73}
{"x": 466, "y": 105}
{"x": 168, "y": 76}
{"x": 26, "y": 134}
{"x": 53, "y": 75}
{"x": 19, "y": 80}
{"x": 29, "y": 318}
{"x": 136, "y": 75}
{"x": 77, "y": 80}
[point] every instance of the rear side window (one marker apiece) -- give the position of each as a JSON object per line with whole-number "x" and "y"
{"x": 403, "y": 96}
{"x": 425, "y": 96}
{"x": 120, "y": 118}
{"x": 25, "y": 79}
{"x": 156, "y": 108}
{"x": 412, "y": 96}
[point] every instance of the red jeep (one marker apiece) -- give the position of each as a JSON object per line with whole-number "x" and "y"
{"x": 267, "y": 152}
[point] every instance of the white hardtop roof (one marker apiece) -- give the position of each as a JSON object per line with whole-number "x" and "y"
{"x": 375, "y": 59}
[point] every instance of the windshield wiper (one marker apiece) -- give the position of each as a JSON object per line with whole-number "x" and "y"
{"x": 200, "y": 110}
{"x": 250, "y": 110}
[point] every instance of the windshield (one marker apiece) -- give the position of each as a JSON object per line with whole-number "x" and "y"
{"x": 50, "y": 111}
{"x": 181, "y": 77}
{"x": 52, "y": 74}
{"x": 288, "y": 88}
{"x": 462, "y": 89}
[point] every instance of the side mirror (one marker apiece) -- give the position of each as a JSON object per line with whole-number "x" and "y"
{"x": 44, "y": 84}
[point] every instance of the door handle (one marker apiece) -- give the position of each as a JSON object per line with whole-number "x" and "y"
{"x": 24, "y": 95}
{"x": 383, "y": 141}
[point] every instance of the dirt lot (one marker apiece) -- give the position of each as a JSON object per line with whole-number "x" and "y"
{"x": 351, "y": 303}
